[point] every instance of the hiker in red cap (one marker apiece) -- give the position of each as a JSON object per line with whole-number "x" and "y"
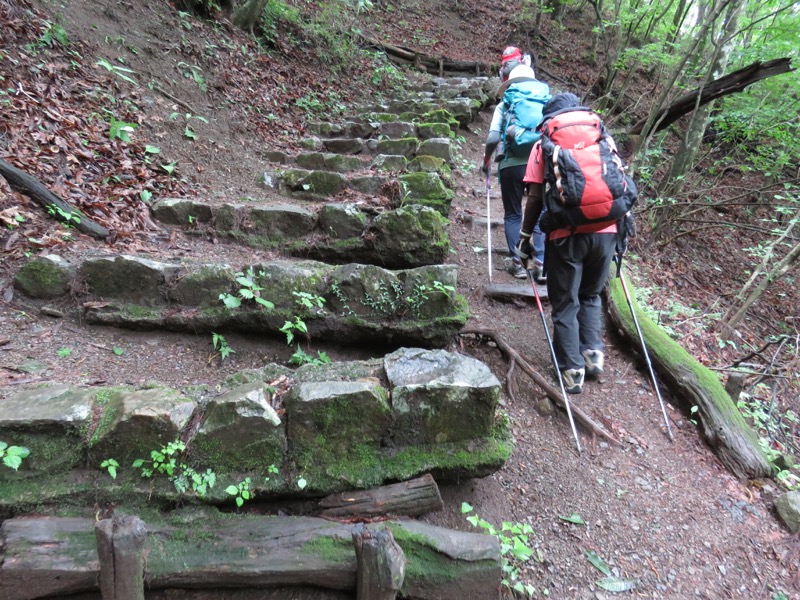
{"x": 512, "y": 133}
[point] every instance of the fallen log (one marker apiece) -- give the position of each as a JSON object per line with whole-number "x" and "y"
{"x": 723, "y": 426}
{"x": 728, "y": 84}
{"x": 381, "y": 564}
{"x": 57, "y": 556}
{"x": 21, "y": 182}
{"x": 411, "y": 498}
{"x": 552, "y": 392}
{"x": 428, "y": 63}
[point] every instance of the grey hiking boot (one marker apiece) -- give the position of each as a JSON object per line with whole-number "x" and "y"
{"x": 517, "y": 270}
{"x": 573, "y": 380}
{"x": 594, "y": 362}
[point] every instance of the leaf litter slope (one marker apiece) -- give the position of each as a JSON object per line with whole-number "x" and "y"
{"x": 666, "y": 514}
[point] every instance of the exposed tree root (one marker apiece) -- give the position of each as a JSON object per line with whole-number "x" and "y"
{"x": 554, "y": 394}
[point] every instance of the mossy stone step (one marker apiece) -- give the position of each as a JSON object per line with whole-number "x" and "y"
{"x": 409, "y": 236}
{"x": 362, "y": 303}
{"x": 353, "y": 424}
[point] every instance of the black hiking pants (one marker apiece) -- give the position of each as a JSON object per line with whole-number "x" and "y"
{"x": 577, "y": 268}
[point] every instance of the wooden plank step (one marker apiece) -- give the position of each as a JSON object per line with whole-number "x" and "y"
{"x": 510, "y": 291}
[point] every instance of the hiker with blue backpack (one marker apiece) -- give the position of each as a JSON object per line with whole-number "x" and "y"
{"x": 513, "y": 129}
{"x": 577, "y": 181}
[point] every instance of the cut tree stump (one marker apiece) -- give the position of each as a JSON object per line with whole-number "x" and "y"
{"x": 723, "y": 425}
{"x": 21, "y": 182}
{"x": 120, "y": 547}
{"x": 410, "y": 498}
{"x": 57, "y": 556}
{"x": 381, "y": 564}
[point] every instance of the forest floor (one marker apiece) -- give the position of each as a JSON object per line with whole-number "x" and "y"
{"x": 666, "y": 514}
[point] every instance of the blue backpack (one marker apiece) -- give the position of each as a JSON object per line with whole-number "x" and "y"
{"x": 523, "y": 102}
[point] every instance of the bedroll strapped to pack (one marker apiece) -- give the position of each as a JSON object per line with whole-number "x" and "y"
{"x": 523, "y": 101}
{"x": 585, "y": 179}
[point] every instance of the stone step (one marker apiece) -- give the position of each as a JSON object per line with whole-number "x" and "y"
{"x": 341, "y": 426}
{"x": 409, "y": 236}
{"x": 355, "y": 304}
{"x": 423, "y": 187}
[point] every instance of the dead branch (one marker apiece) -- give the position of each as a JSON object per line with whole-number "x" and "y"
{"x": 26, "y": 184}
{"x": 552, "y": 393}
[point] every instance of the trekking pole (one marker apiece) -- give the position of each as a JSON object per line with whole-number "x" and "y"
{"x": 489, "y": 220}
{"x": 618, "y": 260}
{"x": 553, "y": 355}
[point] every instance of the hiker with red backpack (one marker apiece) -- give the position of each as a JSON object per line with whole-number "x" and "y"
{"x": 577, "y": 179}
{"x": 513, "y": 129}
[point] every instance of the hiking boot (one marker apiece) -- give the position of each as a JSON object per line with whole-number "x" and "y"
{"x": 594, "y": 362}
{"x": 517, "y": 270}
{"x": 538, "y": 272}
{"x": 573, "y": 380}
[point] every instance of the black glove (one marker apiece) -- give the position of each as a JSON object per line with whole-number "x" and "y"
{"x": 485, "y": 166}
{"x": 626, "y": 228}
{"x": 524, "y": 247}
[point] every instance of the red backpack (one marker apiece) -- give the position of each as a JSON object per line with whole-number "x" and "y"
{"x": 584, "y": 176}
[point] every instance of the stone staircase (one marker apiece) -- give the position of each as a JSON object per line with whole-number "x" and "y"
{"x": 360, "y": 232}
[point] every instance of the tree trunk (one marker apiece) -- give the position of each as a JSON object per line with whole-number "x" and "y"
{"x": 729, "y": 84}
{"x": 723, "y": 426}
{"x": 381, "y": 564}
{"x": 21, "y": 182}
{"x": 248, "y": 13}
{"x": 411, "y": 498}
{"x": 690, "y": 143}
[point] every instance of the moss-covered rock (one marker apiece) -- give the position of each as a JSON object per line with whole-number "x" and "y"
{"x": 435, "y": 130}
{"x": 136, "y": 422}
{"x": 426, "y": 189}
{"x": 241, "y": 432}
{"x": 181, "y": 212}
{"x": 48, "y": 276}
{"x": 203, "y": 286}
{"x": 401, "y": 146}
{"x": 330, "y": 421}
{"x": 411, "y": 235}
{"x": 342, "y": 220}
{"x": 136, "y": 279}
{"x": 389, "y": 162}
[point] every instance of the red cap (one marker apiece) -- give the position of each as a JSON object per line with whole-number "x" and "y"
{"x": 511, "y": 53}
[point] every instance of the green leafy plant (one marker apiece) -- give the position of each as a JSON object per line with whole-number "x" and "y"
{"x": 121, "y": 130}
{"x": 169, "y": 168}
{"x": 166, "y": 461}
{"x": 514, "y": 548}
{"x": 290, "y": 327}
{"x": 111, "y": 466}
{"x": 250, "y": 290}
{"x": 188, "y": 130}
{"x": 120, "y": 72}
{"x": 67, "y": 218}
{"x": 221, "y": 346}
{"x": 301, "y": 357}
{"x": 194, "y": 73}
{"x": 63, "y": 352}
{"x": 241, "y": 491}
{"x": 12, "y": 455}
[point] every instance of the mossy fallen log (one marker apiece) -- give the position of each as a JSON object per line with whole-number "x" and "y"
{"x": 723, "y": 426}
{"x": 51, "y": 556}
